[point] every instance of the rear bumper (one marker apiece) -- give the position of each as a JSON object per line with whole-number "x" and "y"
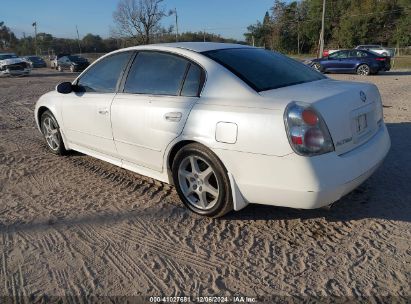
{"x": 39, "y": 65}
{"x": 80, "y": 68}
{"x": 305, "y": 182}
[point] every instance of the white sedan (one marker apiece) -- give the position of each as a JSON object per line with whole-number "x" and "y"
{"x": 227, "y": 124}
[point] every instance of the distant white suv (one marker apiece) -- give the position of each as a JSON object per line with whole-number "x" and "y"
{"x": 375, "y": 48}
{"x": 11, "y": 64}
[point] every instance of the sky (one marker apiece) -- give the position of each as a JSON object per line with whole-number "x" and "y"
{"x": 229, "y": 18}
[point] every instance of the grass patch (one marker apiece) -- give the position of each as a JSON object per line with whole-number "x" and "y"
{"x": 401, "y": 63}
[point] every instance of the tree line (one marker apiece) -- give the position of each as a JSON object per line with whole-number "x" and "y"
{"x": 90, "y": 43}
{"x": 288, "y": 27}
{"x": 294, "y": 27}
{"x": 136, "y": 22}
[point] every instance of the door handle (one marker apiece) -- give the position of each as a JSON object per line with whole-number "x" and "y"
{"x": 173, "y": 116}
{"x": 103, "y": 111}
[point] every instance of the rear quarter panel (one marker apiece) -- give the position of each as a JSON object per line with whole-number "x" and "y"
{"x": 259, "y": 130}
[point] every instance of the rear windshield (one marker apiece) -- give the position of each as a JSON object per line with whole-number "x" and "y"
{"x": 262, "y": 69}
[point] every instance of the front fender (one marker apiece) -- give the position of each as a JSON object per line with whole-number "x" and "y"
{"x": 50, "y": 101}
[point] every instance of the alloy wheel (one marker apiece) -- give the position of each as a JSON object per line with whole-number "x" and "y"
{"x": 198, "y": 182}
{"x": 363, "y": 70}
{"x": 50, "y": 132}
{"x": 316, "y": 66}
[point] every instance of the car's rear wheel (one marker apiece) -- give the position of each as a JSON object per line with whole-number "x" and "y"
{"x": 51, "y": 132}
{"x": 201, "y": 181}
{"x": 363, "y": 69}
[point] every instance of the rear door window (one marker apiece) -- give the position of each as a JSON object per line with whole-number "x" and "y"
{"x": 339, "y": 55}
{"x": 357, "y": 54}
{"x": 157, "y": 73}
{"x": 191, "y": 86}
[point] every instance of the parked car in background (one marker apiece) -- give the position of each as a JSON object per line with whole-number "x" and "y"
{"x": 74, "y": 63}
{"x": 227, "y": 124}
{"x": 361, "y": 62}
{"x": 54, "y": 59}
{"x": 375, "y": 48}
{"x": 35, "y": 61}
{"x": 13, "y": 65}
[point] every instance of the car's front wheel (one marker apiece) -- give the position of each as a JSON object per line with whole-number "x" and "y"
{"x": 316, "y": 66}
{"x": 201, "y": 181}
{"x": 363, "y": 69}
{"x": 51, "y": 132}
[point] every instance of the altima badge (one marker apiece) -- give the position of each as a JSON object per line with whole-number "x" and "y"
{"x": 363, "y": 96}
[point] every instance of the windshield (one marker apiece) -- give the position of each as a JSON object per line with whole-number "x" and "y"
{"x": 262, "y": 69}
{"x": 76, "y": 58}
{"x": 7, "y": 56}
{"x": 35, "y": 58}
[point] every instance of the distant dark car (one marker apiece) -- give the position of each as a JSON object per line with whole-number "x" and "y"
{"x": 73, "y": 63}
{"x": 35, "y": 61}
{"x": 362, "y": 62}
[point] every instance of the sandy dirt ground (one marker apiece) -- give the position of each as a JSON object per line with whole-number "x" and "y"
{"x": 75, "y": 226}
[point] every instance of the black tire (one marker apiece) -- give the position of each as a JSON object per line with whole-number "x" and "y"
{"x": 224, "y": 202}
{"x": 58, "y": 148}
{"x": 363, "y": 69}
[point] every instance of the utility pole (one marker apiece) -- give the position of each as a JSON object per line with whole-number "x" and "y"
{"x": 78, "y": 39}
{"x": 298, "y": 39}
{"x": 175, "y": 12}
{"x": 298, "y": 35}
{"x": 204, "y": 35}
{"x": 322, "y": 32}
{"x": 252, "y": 38}
{"x": 35, "y": 34}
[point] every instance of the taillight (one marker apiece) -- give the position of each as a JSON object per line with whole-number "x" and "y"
{"x": 380, "y": 59}
{"x": 306, "y": 130}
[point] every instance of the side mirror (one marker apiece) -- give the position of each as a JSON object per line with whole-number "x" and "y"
{"x": 64, "y": 88}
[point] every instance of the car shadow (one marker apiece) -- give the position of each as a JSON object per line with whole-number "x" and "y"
{"x": 394, "y": 73}
{"x": 386, "y": 195}
{"x": 54, "y": 74}
{"x": 99, "y": 218}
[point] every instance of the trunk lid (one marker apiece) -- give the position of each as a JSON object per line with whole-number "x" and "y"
{"x": 351, "y": 110}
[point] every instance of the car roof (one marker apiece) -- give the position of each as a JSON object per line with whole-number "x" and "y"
{"x": 197, "y": 47}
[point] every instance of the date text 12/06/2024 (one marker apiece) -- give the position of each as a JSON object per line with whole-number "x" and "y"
{"x": 201, "y": 299}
